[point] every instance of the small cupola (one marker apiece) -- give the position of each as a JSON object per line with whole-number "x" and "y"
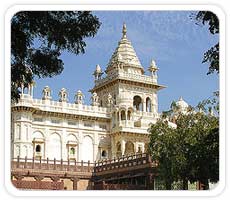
{"x": 98, "y": 72}
{"x": 153, "y": 68}
{"x": 79, "y": 96}
{"x": 63, "y": 95}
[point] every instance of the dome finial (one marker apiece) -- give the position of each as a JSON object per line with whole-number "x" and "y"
{"x": 124, "y": 30}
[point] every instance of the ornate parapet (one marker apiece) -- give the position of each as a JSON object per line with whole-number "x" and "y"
{"x": 128, "y": 76}
{"x": 63, "y": 107}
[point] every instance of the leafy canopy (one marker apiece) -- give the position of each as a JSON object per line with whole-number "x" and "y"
{"x": 189, "y": 152}
{"x": 54, "y": 32}
{"x": 212, "y": 55}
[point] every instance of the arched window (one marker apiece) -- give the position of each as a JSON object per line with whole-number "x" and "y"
{"x": 72, "y": 151}
{"x": 38, "y": 148}
{"x": 129, "y": 115}
{"x": 101, "y": 103}
{"x": 137, "y": 103}
{"x": 122, "y": 115}
{"x": 148, "y": 104}
{"x": 103, "y": 153}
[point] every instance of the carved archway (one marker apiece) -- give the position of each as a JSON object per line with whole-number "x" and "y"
{"x": 129, "y": 148}
{"x": 137, "y": 103}
{"x": 148, "y": 105}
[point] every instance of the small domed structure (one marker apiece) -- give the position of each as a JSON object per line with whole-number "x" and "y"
{"x": 98, "y": 72}
{"x": 153, "y": 67}
{"x": 79, "y": 96}
{"x": 182, "y": 105}
{"x": 46, "y": 93}
{"x": 63, "y": 95}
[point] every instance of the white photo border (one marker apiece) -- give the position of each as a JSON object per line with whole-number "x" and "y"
{"x": 222, "y": 75}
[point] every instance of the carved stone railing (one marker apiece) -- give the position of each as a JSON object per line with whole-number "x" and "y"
{"x": 128, "y": 76}
{"x": 70, "y": 108}
{"x": 51, "y": 165}
{"x": 123, "y": 162}
{"x": 146, "y": 114}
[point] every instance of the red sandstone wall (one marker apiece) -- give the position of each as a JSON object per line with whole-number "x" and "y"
{"x": 48, "y": 185}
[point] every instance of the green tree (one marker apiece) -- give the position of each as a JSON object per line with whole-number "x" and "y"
{"x": 162, "y": 147}
{"x": 189, "y": 152}
{"x": 39, "y": 37}
{"x": 212, "y": 55}
{"x": 199, "y": 144}
{"x": 183, "y": 147}
{"x": 205, "y": 150}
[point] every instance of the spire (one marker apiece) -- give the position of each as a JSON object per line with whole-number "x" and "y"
{"x": 125, "y": 52}
{"x": 124, "y": 31}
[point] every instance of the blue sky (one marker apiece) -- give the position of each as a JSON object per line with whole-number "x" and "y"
{"x": 171, "y": 38}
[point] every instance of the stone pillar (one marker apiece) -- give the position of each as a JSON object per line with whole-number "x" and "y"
{"x": 144, "y": 105}
{"x": 32, "y": 90}
{"x": 150, "y": 181}
{"x": 45, "y": 146}
{"x": 113, "y": 148}
{"x": 75, "y": 182}
{"x": 22, "y": 88}
{"x": 136, "y": 147}
{"x": 29, "y": 90}
{"x": 119, "y": 114}
{"x": 116, "y": 119}
{"x": 100, "y": 150}
{"x": 95, "y": 151}
{"x": 122, "y": 147}
{"x": 64, "y": 151}
{"x": 80, "y": 151}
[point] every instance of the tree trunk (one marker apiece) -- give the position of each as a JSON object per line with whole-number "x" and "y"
{"x": 185, "y": 184}
{"x": 203, "y": 184}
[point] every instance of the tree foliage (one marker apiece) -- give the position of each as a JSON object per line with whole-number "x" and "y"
{"x": 39, "y": 37}
{"x": 162, "y": 146}
{"x": 212, "y": 55}
{"x": 189, "y": 152}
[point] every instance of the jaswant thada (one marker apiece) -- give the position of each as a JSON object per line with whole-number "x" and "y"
{"x": 57, "y": 134}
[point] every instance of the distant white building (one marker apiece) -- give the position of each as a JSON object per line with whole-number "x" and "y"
{"x": 123, "y": 104}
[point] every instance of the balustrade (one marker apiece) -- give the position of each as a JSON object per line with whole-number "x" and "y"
{"x": 123, "y": 162}
{"x": 129, "y": 76}
{"x": 54, "y": 165}
{"x": 71, "y": 108}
